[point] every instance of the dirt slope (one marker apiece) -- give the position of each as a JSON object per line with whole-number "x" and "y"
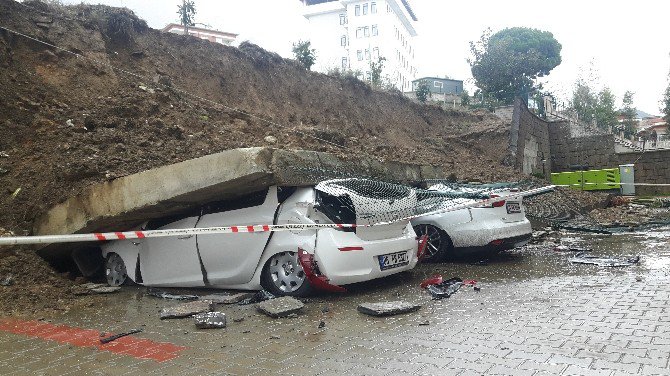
{"x": 68, "y": 121}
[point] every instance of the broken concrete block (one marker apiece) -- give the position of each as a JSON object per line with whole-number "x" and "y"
{"x": 387, "y": 308}
{"x": 185, "y": 310}
{"x": 105, "y": 289}
{"x": 281, "y": 307}
{"x": 210, "y": 320}
{"x": 227, "y": 298}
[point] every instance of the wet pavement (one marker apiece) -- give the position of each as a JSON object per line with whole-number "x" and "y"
{"x": 536, "y": 314}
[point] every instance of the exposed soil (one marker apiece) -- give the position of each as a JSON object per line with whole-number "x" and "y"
{"x": 71, "y": 119}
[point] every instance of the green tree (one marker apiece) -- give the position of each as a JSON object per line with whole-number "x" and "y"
{"x": 508, "y": 62}
{"x": 305, "y": 55}
{"x": 422, "y": 91}
{"x": 604, "y": 112}
{"x": 465, "y": 98}
{"x": 665, "y": 104}
{"x": 629, "y": 113}
{"x": 376, "y": 69}
{"x": 186, "y": 12}
{"x": 584, "y": 101}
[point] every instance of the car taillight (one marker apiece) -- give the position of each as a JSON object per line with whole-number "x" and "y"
{"x": 497, "y": 204}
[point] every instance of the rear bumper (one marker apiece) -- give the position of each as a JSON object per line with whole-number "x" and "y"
{"x": 482, "y": 233}
{"x": 496, "y": 246}
{"x": 344, "y": 258}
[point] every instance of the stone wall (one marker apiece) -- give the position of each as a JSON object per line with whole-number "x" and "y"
{"x": 533, "y": 139}
{"x": 530, "y": 140}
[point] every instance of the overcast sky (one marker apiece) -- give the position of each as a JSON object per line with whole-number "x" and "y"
{"x": 626, "y": 42}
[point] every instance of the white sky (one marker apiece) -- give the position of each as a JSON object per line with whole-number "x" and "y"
{"x": 627, "y": 42}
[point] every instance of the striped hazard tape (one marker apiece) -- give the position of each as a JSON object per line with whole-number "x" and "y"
{"x": 130, "y": 235}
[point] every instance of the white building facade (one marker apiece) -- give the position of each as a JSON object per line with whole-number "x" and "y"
{"x": 350, "y": 34}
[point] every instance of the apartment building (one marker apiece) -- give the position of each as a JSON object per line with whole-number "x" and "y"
{"x": 350, "y": 34}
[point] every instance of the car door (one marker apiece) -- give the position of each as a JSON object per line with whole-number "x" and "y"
{"x": 231, "y": 259}
{"x": 171, "y": 261}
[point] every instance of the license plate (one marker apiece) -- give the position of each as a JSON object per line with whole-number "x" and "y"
{"x": 513, "y": 207}
{"x": 393, "y": 260}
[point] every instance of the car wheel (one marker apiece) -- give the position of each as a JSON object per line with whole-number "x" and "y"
{"x": 115, "y": 270}
{"x": 283, "y": 275}
{"x": 439, "y": 245}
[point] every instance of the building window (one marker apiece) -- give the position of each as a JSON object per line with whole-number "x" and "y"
{"x": 345, "y": 63}
{"x": 357, "y": 10}
{"x": 375, "y": 53}
{"x": 365, "y": 9}
{"x": 367, "y": 54}
{"x": 343, "y": 19}
{"x": 375, "y": 30}
{"x": 438, "y": 84}
{"x": 368, "y": 76}
{"x": 373, "y": 7}
{"x": 366, "y": 31}
{"x": 359, "y": 53}
{"x": 343, "y": 40}
{"x": 359, "y": 32}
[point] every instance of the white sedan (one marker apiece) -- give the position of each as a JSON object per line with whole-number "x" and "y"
{"x": 474, "y": 231}
{"x": 285, "y": 263}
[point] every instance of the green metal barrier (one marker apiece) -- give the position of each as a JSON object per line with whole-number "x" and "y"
{"x": 591, "y": 180}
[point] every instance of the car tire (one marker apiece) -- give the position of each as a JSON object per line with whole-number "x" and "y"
{"x": 439, "y": 246}
{"x": 283, "y": 276}
{"x": 115, "y": 270}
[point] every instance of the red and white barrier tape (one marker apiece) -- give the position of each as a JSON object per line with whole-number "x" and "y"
{"x": 129, "y": 235}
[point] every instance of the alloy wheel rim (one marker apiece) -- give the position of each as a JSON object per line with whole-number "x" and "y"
{"x": 434, "y": 240}
{"x": 286, "y": 272}
{"x": 115, "y": 270}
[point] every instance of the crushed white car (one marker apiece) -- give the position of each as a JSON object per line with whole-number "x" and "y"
{"x": 292, "y": 262}
{"x": 474, "y": 231}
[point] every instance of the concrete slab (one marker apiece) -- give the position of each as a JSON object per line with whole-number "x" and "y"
{"x": 128, "y": 201}
{"x": 169, "y": 189}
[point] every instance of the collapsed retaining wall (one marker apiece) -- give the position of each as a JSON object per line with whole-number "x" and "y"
{"x": 538, "y": 139}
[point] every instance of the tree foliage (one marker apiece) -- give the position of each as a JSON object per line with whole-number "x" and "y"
{"x": 305, "y": 55}
{"x": 584, "y": 101}
{"x": 376, "y": 69}
{"x": 507, "y": 63}
{"x": 186, "y": 13}
{"x": 628, "y": 112}
{"x": 605, "y": 112}
{"x": 465, "y": 98}
{"x": 665, "y": 104}
{"x": 422, "y": 91}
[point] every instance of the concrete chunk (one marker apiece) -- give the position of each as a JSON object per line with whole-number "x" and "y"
{"x": 210, "y": 320}
{"x": 281, "y": 307}
{"x": 227, "y": 298}
{"x": 387, "y": 308}
{"x": 185, "y": 310}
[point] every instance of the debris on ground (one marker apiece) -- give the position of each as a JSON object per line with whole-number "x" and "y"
{"x": 227, "y": 298}
{"x": 434, "y": 280}
{"x": 604, "y": 261}
{"x": 210, "y": 320}
{"x": 185, "y": 310}
{"x": 387, "y": 308}
{"x": 258, "y": 297}
{"x": 445, "y": 289}
{"x": 117, "y": 336}
{"x": 281, "y": 307}
{"x": 94, "y": 288}
{"x": 565, "y": 248}
{"x": 322, "y": 324}
{"x": 166, "y": 295}
{"x": 8, "y": 280}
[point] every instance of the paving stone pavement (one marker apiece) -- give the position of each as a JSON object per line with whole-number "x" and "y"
{"x": 580, "y": 320}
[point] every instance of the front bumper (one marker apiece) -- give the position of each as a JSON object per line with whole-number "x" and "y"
{"x": 345, "y": 258}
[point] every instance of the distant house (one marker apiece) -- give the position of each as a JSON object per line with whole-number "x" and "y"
{"x": 441, "y": 89}
{"x": 215, "y": 36}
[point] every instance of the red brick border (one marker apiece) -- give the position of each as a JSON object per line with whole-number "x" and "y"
{"x": 136, "y": 347}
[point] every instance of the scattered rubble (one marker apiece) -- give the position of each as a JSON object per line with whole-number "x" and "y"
{"x": 227, "y": 298}
{"x": 387, "y": 308}
{"x": 445, "y": 289}
{"x": 210, "y": 320}
{"x": 281, "y": 307}
{"x": 117, "y": 336}
{"x": 604, "y": 261}
{"x": 257, "y": 297}
{"x": 166, "y": 295}
{"x": 185, "y": 310}
{"x": 94, "y": 288}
